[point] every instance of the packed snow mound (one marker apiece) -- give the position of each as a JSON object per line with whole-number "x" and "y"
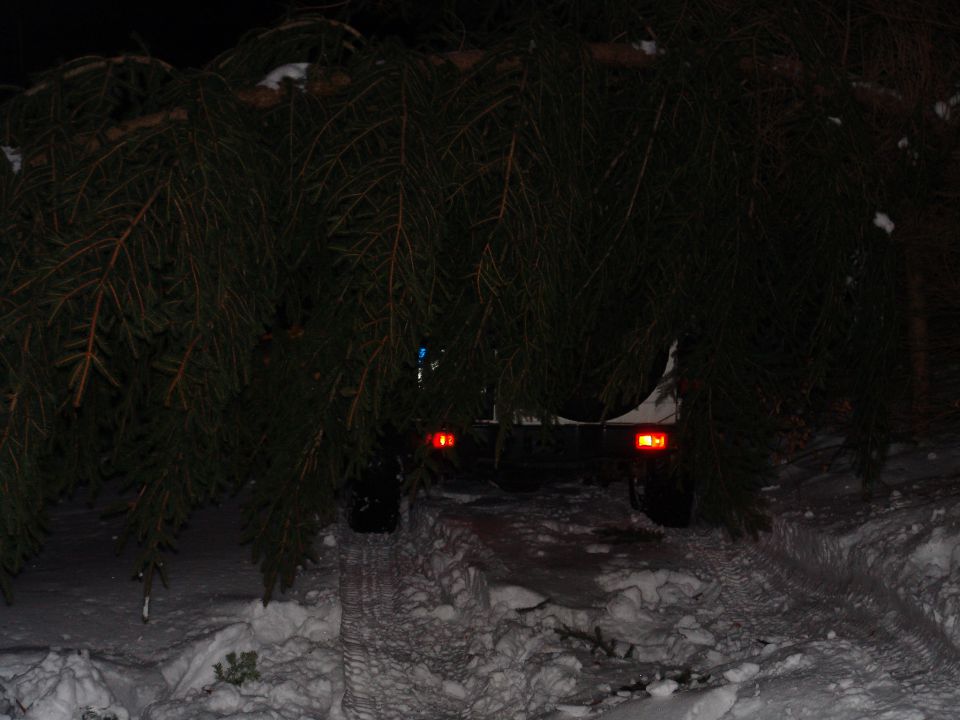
{"x": 276, "y": 630}
{"x": 297, "y": 658}
{"x": 655, "y": 586}
{"x": 55, "y": 687}
{"x": 904, "y": 544}
{"x": 695, "y": 705}
{"x": 425, "y": 634}
{"x": 514, "y": 597}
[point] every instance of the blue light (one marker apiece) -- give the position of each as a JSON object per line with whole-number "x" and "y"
{"x": 421, "y": 354}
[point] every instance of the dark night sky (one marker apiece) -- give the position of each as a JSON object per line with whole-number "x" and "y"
{"x": 39, "y": 34}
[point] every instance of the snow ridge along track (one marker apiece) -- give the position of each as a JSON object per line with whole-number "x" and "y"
{"x": 777, "y": 626}
{"x": 402, "y": 627}
{"x": 851, "y": 621}
{"x": 823, "y": 555}
{"x": 420, "y": 639}
{"x": 919, "y": 653}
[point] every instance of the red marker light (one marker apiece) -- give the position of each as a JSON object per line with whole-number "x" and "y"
{"x": 442, "y": 440}
{"x": 648, "y": 441}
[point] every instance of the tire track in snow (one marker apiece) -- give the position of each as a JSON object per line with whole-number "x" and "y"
{"x": 913, "y": 649}
{"x": 404, "y": 655}
{"x": 386, "y": 678}
{"x": 421, "y": 640}
{"x": 402, "y": 660}
{"x": 367, "y": 587}
{"x": 760, "y": 584}
{"x": 750, "y": 601}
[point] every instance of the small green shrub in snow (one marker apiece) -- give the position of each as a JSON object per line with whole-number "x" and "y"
{"x": 239, "y": 669}
{"x": 90, "y": 713}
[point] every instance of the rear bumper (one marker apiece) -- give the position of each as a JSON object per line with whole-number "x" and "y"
{"x": 533, "y": 445}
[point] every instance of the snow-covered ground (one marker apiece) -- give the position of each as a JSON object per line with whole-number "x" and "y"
{"x": 556, "y": 602}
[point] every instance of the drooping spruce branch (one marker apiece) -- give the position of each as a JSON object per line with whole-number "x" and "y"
{"x": 208, "y": 285}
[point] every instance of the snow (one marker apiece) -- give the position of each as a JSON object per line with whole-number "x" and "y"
{"x": 14, "y": 157}
{"x": 944, "y": 108}
{"x": 662, "y": 688}
{"x": 60, "y": 683}
{"x": 883, "y": 221}
{"x": 553, "y": 603}
{"x": 741, "y": 673}
{"x": 514, "y": 597}
{"x": 697, "y": 705}
{"x": 296, "y": 72}
{"x": 648, "y": 47}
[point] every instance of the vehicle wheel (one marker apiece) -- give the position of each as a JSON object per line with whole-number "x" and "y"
{"x": 667, "y": 495}
{"x": 636, "y": 479}
{"x": 373, "y": 500}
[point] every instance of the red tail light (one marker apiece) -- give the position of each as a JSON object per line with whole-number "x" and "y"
{"x": 442, "y": 440}
{"x": 648, "y": 441}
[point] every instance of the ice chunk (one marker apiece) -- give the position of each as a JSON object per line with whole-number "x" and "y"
{"x": 742, "y": 673}
{"x": 662, "y": 688}
{"x": 514, "y": 597}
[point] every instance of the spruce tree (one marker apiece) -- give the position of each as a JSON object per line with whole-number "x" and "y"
{"x": 212, "y": 286}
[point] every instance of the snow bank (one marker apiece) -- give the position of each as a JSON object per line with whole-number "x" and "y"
{"x": 298, "y": 658}
{"x": 907, "y": 558}
{"x": 54, "y": 687}
{"x": 694, "y": 705}
{"x": 444, "y": 642}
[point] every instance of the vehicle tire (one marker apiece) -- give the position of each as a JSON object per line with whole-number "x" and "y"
{"x": 374, "y": 502}
{"x": 373, "y": 499}
{"x": 668, "y": 495}
{"x": 636, "y": 480}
